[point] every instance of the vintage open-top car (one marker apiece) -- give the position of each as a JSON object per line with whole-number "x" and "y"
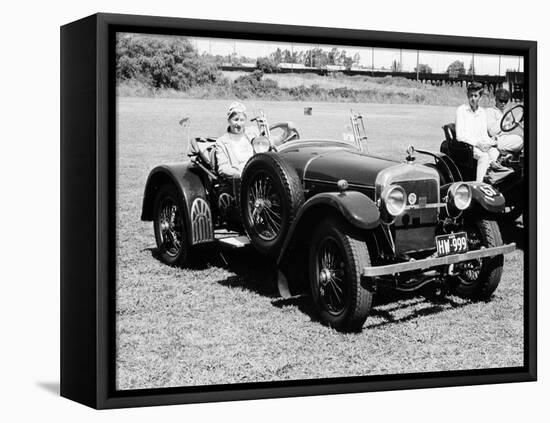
{"x": 337, "y": 221}
{"x": 510, "y": 184}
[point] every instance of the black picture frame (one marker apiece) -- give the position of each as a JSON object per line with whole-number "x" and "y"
{"x": 88, "y": 213}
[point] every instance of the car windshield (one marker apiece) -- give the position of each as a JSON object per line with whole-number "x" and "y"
{"x": 310, "y": 123}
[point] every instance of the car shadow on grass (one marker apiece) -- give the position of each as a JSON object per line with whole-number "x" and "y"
{"x": 252, "y": 270}
{"x": 393, "y": 307}
{"x": 202, "y": 257}
{"x": 257, "y": 273}
{"x": 388, "y": 308}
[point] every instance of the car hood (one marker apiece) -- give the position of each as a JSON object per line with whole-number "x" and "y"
{"x": 332, "y": 161}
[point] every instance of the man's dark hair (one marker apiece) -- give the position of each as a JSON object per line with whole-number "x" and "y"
{"x": 475, "y": 86}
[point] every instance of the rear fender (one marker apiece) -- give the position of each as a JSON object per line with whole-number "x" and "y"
{"x": 195, "y": 204}
{"x": 355, "y": 207}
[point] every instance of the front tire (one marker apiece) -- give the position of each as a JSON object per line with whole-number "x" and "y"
{"x": 336, "y": 260}
{"x": 478, "y": 279}
{"x": 169, "y": 226}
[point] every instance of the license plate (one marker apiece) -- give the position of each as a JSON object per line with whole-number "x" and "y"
{"x": 451, "y": 244}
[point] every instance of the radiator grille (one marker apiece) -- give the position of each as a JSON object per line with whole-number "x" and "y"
{"x": 415, "y": 228}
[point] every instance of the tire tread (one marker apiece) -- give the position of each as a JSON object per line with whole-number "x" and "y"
{"x": 293, "y": 191}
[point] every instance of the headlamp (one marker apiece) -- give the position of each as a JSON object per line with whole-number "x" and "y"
{"x": 261, "y": 144}
{"x": 459, "y": 197}
{"x": 394, "y": 200}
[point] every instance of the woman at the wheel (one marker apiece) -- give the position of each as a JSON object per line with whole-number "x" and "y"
{"x": 234, "y": 148}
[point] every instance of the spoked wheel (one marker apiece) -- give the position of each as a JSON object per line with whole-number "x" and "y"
{"x": 478, "y": 279}
{"x": 264, "y": 208}
{"x": 170, "y": 233}
{"x": 270, "y": 196}
{"x": 331, "y": 274}
{"x": 336, "y": 261}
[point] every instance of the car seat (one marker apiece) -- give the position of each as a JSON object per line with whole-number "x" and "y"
{"x": 204, "y": 150}
{"x": 461, "y": 153}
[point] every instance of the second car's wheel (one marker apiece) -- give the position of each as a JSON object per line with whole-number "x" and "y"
{"x": 169, "y": 225}
{"x": 270, "y": 196}
{"x": 478, "y": 279}
{"x": 336, "y": 260}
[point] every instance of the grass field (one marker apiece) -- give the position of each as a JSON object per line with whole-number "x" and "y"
{"x": 220, "y": 322}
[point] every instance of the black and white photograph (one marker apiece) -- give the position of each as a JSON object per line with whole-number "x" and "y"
{"x": 295, "y": 212}
{"x": 275, "y": 211}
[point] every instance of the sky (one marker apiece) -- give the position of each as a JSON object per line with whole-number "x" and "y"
{"x": 485, "y": 64}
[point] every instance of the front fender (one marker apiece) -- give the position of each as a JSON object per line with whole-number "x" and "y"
{"x": 484, "y": 196}
{"x": 448, "y": 171}
{"x": 487, "y": 197}
{"x": 355, "y": 207}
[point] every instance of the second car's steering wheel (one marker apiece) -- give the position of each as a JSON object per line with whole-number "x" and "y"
{"x": 512, "y": 118}
{"x": 289, "y": 132}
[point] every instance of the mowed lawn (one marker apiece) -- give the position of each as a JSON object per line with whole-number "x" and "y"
{"x": 220, "y": 321}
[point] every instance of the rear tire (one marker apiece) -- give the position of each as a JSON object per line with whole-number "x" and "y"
{"x": 169, "y": 225}
{"x": 336, "y": 260}
{"x": 480, "y": 278}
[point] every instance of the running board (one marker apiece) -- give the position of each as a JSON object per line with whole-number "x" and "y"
{"x": 235, "y": 241}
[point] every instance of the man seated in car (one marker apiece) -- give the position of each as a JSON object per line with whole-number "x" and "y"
{"x": 506, "y": 143}
{"x": 471, "y": 128}
{"x": 234, "y": 148}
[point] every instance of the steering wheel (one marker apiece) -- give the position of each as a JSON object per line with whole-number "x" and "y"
{"x": 289, "y": 132}
{"x": 512, "y": 118}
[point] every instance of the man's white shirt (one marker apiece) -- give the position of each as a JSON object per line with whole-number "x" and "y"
{"x": 471, "y": 127}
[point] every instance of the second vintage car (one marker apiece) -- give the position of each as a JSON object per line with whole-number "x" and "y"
{"x": 510, "y": 183}
{"x": 337, "y": 221}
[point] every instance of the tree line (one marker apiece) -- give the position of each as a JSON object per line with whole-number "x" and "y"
{"x": 163, "y": 63}
{"x": 168, "y": 62}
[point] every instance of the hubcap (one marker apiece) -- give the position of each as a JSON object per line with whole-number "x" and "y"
{"x": 264, "y": 207}
{"x": 324, "y": 276}
{"x": 170, "y": 227}
{"x": 331, "y": 276}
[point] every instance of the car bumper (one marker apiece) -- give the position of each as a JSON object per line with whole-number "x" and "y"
{"x": 428, "y": 263}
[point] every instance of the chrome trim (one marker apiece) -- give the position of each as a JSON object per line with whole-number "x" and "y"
{"x": 437, "y": 261}
{"x": 289, "y": 144}
{"x": 427, "y": 206}
{"x": 335, "y": 183}
{"x": 308, "y": 163}
{"x": 201, "y": 222}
